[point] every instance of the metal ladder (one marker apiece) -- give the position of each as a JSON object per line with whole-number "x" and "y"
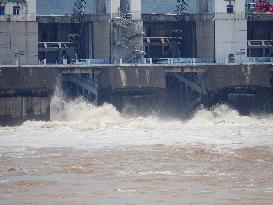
{"x": 129, "y": 31}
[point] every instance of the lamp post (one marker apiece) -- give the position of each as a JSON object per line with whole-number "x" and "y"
{"x": 18, "y": 55}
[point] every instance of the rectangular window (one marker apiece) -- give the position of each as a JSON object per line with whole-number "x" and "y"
{"x": 2, "y": 10}
{"x": 16, "y": 10}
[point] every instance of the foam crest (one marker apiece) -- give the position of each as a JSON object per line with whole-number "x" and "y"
{"x": 82, "y": 125}
{"x": 81, "y": 115}
{"x": 219, "y": 114}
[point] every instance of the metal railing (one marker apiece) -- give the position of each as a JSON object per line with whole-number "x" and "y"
{"x": 259, "y": 59}
{"x": 169, "y": 61}
{"x": 193, "y": 61}
{"x": 259, "y": 43}
{"x": 176, "y": 61}
{"x": 65, "y": 44}
{"x": 89, "y": 61}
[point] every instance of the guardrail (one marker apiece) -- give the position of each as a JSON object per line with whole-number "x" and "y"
{"x": 175, "y": 61}
{"x": 89, "y": 61}
{"x": 167, "y": 61}
{"x": 260, "y": 59}
{"x": 193, "y": 61}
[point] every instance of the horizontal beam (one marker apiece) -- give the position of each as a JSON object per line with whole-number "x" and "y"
{"x": 193, "y": 68}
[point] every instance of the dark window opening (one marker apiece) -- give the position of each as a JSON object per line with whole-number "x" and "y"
{"x": 16, "y": 10}
{"x": 2, "y": 10}
{"x": 149, "y": 32}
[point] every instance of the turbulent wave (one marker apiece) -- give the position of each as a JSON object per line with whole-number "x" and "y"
{"x": 79, "y": 114}
{"x": 82, "y": 125}
{"x": 220, "y": 114}
{"x": 82, "y": 114}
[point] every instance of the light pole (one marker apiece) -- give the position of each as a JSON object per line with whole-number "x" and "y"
{"x": 18, "y": 55}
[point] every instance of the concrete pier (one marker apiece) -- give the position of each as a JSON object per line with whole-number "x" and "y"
{"x": 25, "y": 94}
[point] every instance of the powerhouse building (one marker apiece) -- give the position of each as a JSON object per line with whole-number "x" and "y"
{"x": 18, "y": 32}
{"x": 117, "y": 31}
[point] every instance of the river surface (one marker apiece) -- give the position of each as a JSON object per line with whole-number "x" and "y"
{"x": 89, "y": 155}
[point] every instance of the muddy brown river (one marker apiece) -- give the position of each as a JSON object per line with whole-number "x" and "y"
{"x": 89, "y": 155}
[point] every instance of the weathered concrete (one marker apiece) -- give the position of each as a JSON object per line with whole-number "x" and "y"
{"x": 237, "y": 75}
{"x": 18, "y": 36}
{"x": 132, "y": 78}
{"x": 205, "y": 39}
{"x": 25, "y": 94}
{"x": 138, "y": 87}
{"x": 101, "y": 40}
{"x": 15, "y": 110}
{"x": 247, "y": 88}
{"x": 34, "y": 79}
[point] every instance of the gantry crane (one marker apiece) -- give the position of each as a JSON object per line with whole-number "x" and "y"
{"x": 262, "y": 7}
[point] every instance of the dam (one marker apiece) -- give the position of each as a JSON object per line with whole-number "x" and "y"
{"x": 115, "y": 106}
{"x": 172, "y": 89}
{"x": 143, "y": 63}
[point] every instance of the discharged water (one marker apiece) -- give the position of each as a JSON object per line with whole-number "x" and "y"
{"x": 89, "y": 155}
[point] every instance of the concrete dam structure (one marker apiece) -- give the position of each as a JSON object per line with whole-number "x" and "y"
{"x": 140, "y": 63}
{"x": 25, "y": 94}
{"x": 169, "y": 90}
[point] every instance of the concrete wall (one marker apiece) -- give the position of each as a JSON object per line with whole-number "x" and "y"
{"x": 220, "y": 6}
{"x": 220, "y": 77}
{"x": 135, "y": 9}
{"x": 230, "y": 38}
{"x": 230, "y": 30}
{"x": 99, "y": 7}
{"x": 133, "y": 78}
{"x": 15, "y": 110}
{"x": 246, "y": 88}
{"x": 133, "y": 90}
{"x": 201, "y": 6}
{"x": 18, "y": 36}
{"x": 27, "y": 11}
{"x": 27, "y": 80}
{"x": 101, "y": 39}
{"x": 25, "y": 94}
{"x": 205, "y": 39}
{"x": 86, "y": 41}
{"x": 9, "y": 8}
{"x": 113, "y": 7}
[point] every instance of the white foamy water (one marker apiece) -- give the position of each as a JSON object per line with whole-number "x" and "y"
{"x": 89, "y": 154}
{"x": 78, "y": 124}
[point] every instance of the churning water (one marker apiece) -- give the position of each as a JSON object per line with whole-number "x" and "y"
{"x": 94, "y": 155}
